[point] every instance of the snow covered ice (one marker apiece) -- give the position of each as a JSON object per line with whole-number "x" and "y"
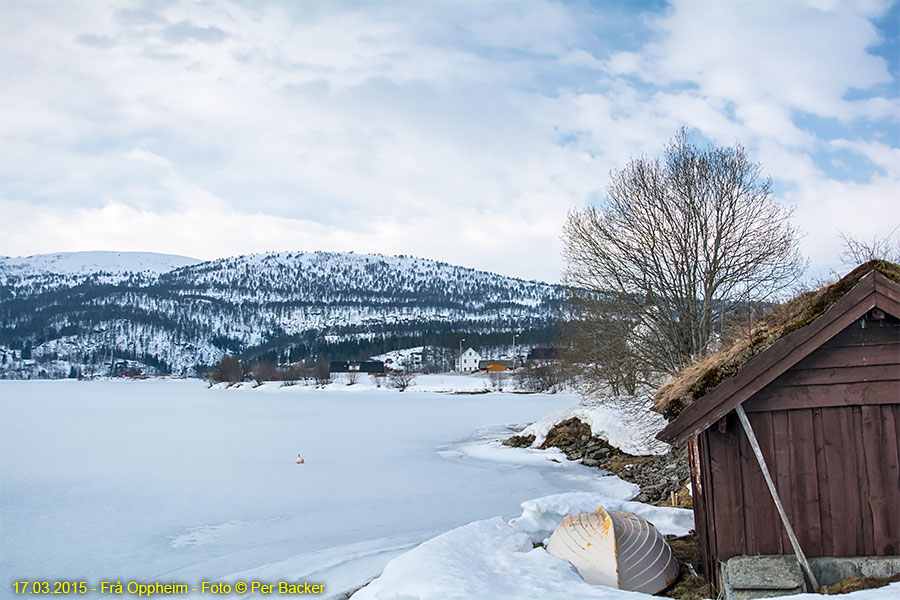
{"x": 169, "y": 481}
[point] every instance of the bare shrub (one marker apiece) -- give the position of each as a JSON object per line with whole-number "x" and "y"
{"x": 496, "y": 378}
{"x": 541, "y": 376}
{"x": 229, "y": 369}
{"x": 856, "y": 252}
{"x": 401, "y": 379}
{"x": 596, "y": 344}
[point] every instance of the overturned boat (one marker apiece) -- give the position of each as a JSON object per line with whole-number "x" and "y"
{"x": 615, "y": 548}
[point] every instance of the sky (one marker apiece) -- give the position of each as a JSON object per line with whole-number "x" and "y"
{"x": 460, "y": 131}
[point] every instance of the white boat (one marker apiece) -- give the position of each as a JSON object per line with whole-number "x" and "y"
{"x": 616, "y": 548}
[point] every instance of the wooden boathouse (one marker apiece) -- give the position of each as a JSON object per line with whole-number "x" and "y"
{"x": 823, "y": 398}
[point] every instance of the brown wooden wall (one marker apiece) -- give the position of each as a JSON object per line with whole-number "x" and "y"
{"x": 829, "y": 429}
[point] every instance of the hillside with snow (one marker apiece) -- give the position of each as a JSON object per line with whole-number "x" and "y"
{"x": 174, "y": 313}
{"x": 89, "y": 263}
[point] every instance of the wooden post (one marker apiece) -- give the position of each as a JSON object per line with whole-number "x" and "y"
{"x": 751, "y": 437}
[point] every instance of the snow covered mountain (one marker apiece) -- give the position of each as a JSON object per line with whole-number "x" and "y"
{"x": 174, "y": 313}
{"x": 29, "y": 275}
{"x": 88, "y": 263}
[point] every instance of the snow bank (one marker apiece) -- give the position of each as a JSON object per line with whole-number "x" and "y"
{"x": 541, "y": 516}
{"x": 497, "y": 559}
{"x": 484, "y": 559}
{"x": 624, "y": 421}
{"x": 493, "y": 559}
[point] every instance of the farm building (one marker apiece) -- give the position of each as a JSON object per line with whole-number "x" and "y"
{"x": 820, "y": 388}
{"x": 368, "y": 366}
{"x": 495, "y": 366}
{"x": 468, "y": 361}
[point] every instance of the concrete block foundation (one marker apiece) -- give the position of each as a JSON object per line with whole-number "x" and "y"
{"x": 747, "y": 577}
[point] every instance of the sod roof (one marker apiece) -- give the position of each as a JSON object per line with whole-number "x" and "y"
{"x": 702, "y": 377}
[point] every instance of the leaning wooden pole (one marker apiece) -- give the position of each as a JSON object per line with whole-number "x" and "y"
{"x": 801, "y": 558}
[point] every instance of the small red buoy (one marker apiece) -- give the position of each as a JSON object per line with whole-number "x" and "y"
{"x": 300, "y": 460}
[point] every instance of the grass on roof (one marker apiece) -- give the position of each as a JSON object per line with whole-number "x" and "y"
{"x": 698, "y": 379}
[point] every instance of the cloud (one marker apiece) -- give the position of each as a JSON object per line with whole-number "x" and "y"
{"x": 95, "y": 41}
{"x": 461, "y": 132}
{"x": 148, "y": 157}
{"x": 757, "y": 52}
{"x": 884, "y": 156}
{"x": 185, "y": 31}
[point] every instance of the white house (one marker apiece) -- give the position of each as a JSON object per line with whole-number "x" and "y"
{"x": 468, "y": 361}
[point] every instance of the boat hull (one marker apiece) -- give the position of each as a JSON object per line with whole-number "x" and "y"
{"x": 616, "y": 549}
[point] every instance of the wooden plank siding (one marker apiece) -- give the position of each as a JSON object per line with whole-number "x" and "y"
{"x": 837, "y": 470}
{"x": 829, "y": 428}
{"x": 869, "y": 372}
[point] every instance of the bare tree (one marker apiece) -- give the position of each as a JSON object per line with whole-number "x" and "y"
{"x": 263, "y": 371}
{"x": 856, "y": 252}
{"x": 598, "y": 344}
{"x": 675, "y": 241}
{"x": 228, "y": 369}
{"x": 289, "y": 374}
{"x": 322, "y": 373}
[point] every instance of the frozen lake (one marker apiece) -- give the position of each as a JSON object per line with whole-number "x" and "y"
{"x": 171, "y": 481}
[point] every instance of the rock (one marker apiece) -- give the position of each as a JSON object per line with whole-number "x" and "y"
{"x": 566, "y": 433}
{"x": 658, "y": 476}
{"x": 519, "y": 441}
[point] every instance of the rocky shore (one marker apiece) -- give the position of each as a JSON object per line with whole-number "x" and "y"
{"x": 663, "y": 479}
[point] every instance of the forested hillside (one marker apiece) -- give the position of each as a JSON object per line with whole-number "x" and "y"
{"x": 288, "y": 306}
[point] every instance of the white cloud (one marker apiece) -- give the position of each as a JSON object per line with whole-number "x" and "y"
{"x": 624, "y": 63}
{"x": 827, "y": 207}
{"x": 880, "y": 154}
{"x": 461, "y": 132}
{"x": 787, "y": 54}
{"x": 148, "y": 157}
